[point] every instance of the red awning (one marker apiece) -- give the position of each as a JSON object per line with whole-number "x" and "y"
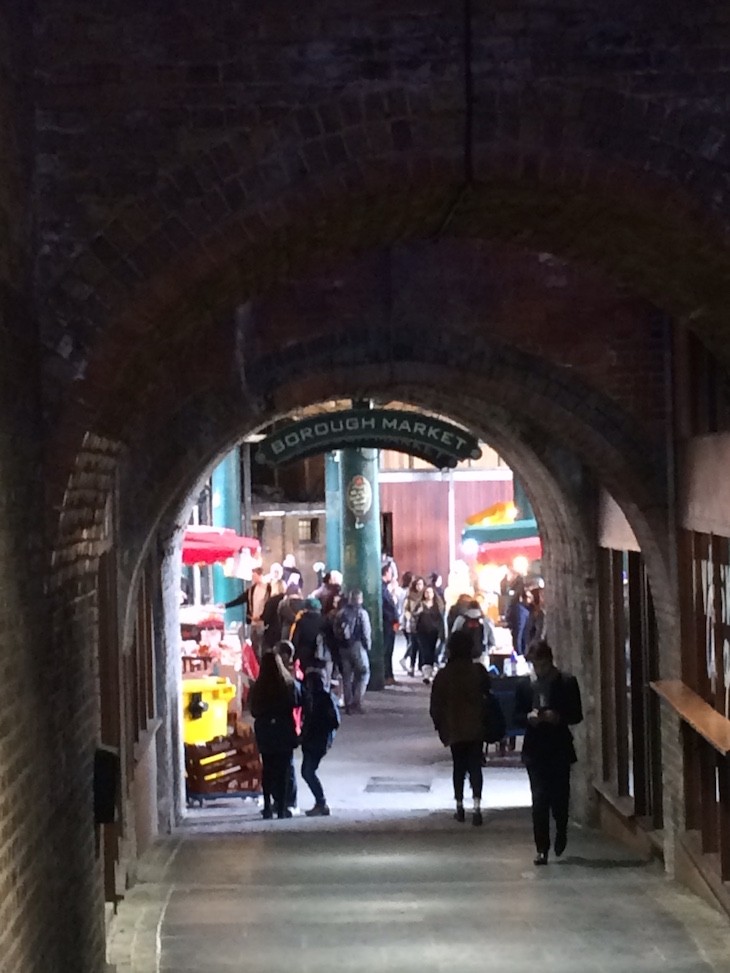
{"x": 209, "y": 545}
{"x": 504, "y": 552}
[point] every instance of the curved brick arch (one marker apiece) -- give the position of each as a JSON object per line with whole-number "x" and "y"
{"x": 555, "y": 167}
{"x": 131, "y": 301}
{"x": 517, "y": 409}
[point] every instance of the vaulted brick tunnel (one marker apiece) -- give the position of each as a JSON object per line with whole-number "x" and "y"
{"x": 214, "y": 215}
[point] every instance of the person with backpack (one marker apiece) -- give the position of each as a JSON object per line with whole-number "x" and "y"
{"x": 459, "y": 698}
{"x": 354, "y": 635}
{"x": 478, "y": 628}
{"x": 320, "y": 722}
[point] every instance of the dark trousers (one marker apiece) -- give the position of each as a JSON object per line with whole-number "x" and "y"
{"x": 311, "y": 760}
{"x": 427, "y": 648}
{"x": 414, "y": 648}
{"x": 275, "y": 780}
{"x": 550, "y": 786}
{"x": 467, "y": 758}
{"x": 388, "y": 646}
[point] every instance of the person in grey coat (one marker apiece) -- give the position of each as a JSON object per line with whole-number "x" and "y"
{"x": 457, "y": 709}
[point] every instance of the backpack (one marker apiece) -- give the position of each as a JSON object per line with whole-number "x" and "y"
{"x": 344, "y": 626}
{"x": 495, "y": 725}
{"x": 475, "y": 628}
{"x": 331, "y": 714}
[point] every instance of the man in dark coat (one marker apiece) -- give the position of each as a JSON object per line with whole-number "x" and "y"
{"x": 390, "y": 624}
{"x": 547, "y": 705}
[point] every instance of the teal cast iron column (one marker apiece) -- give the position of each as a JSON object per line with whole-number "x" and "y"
{"x": 333, "y": 507}
{"x": 226, "y": 490}
{"x": 361, "y": 561}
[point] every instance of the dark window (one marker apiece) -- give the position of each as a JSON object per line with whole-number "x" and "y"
{"x": 309, "y": 531}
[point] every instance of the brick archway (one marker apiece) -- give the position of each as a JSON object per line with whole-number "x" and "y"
{"x": 618, "y": 182}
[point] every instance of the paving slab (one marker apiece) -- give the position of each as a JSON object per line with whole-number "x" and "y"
{"x": 391, "y": 882}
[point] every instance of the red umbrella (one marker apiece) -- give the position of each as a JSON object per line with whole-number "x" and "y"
{"x": 504, "y": 552}
{"x": 208, "y": 545}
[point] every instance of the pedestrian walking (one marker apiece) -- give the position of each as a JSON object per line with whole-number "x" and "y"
{"x": 547, "y": 705}
{"x": 354, "y": 634}
{"x": 320, "y": 721}
{"x": 390, "y": 623}
{"x": 411, "y": 608}
{"x": 274, "y": 696}
{"x": 458, "y": 705}
{"x": 430, "y": 631}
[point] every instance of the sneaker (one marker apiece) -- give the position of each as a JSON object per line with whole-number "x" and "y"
{"x": 318, "y": 811}
{"x": 459, "y": 815}
{"x": 404, "y": 664}
{"x": 411, "y": 673}
{"x": 390, "y": 681}
{"x": 476, "y": 819}
{"x": 426, "y": 681}
{"x": 267, "y": 814}
{"x": 540, "y": 858}
{"x": 561, "y": 840}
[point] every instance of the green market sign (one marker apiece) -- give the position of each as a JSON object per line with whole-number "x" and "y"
{"x": 440, "y": 443}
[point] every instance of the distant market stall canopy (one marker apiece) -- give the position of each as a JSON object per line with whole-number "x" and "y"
{"x": 438, "y": 442}
{"x": 504, "y": 552}
{"x": 210, "y": 545}
{"x": 498, "y": 533}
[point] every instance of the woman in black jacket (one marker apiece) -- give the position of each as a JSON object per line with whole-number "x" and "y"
{"x": 430, "y": 631}
{"x": 274, "y": 696}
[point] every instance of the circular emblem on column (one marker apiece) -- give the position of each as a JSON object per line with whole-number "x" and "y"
{"x": 359, "y": 498}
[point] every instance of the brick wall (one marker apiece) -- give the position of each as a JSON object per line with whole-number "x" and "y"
{"x": 195, "y": 161}
{"x": 29, "y": 771}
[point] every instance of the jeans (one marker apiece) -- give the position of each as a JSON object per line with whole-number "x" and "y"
{"x": 257, "y": 638}
{"x": 355, "y": 673}
{"x": 467, "y": 758}
{"x": 311, "y": 760}
{"x": 550, "y": 786}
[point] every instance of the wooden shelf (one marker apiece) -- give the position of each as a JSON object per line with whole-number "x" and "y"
{"x": 710, "y": 724}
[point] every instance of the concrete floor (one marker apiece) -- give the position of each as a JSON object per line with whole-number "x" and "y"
{"x": 391, "y": 883}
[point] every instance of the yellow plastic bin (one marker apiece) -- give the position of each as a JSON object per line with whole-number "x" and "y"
{"x": 205, "y": 708}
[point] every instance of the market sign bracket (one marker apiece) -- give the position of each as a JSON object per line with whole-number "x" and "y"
{"x": 438, "y": 442}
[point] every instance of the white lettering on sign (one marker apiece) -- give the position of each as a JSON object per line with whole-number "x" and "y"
{"x": 321, "y": 429}
{"x": 419, "y": 428}
{"x": 446, "y": 438}
{"x": 306, "y": 434}
{"x": 434, "y": 433}
{"x": 292, "y": 439}
{"x": 404, "y": 426}
{"x": 352, "y": 425}
{"x": 277, "y": 447}
{"x": 390, "y": 424}
{"x": 368, "y": 423}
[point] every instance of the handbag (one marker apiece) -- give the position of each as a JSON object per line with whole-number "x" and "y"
{"x": 495, "y": 726}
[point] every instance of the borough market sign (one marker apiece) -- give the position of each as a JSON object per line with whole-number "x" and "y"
{"x": 433, "y": 440}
